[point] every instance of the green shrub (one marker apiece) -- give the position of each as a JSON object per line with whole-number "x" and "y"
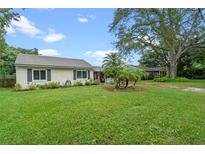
{"x": 95, "y": 82}
{"x": 163, "y": 79}
{"x": 32, "y": 86}
{"x": 7, "y": 82}
{"x": 49, "y": 85}
{"x": 43, "y": 86}
{"x": 17, "y": 87}
{"x": 167, "y": 79}
{"x": 181, "y": 79}
{"x": 87, "y": 83}
{"x": 53, "y": 85}
{"x": 78, "y": 83}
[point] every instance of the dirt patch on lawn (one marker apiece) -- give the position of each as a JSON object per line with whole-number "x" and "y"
{"x": 128, "y": 89}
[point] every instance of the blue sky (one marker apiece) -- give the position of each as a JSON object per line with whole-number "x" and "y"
{"x": 73, "y": 33}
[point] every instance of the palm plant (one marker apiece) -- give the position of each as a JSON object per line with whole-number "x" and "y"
{"x": 129, "y": 74}
{"x": 112, "y": 64}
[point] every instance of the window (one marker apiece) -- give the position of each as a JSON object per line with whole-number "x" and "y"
{"x": 81, "y": 74}
{"x": 43, "y": 75}
{"x": 39, "y": 75}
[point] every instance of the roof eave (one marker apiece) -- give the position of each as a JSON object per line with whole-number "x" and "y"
{"x": 52, "y": 66}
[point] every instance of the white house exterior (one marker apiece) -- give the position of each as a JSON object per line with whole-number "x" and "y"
{"x": 41, "y": 69}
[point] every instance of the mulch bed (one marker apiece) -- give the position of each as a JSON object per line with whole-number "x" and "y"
{"x": 128, "y": 89}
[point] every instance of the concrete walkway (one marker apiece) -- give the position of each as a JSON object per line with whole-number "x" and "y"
{"x": 199, "y": 90}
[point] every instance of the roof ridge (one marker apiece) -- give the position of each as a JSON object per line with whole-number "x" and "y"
{"x": 51, "y": 56}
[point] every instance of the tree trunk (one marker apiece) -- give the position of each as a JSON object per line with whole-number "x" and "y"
{"x": 168, "y": 71}
{"x": 173, "y": 70}
{"x": 116, "y": 81}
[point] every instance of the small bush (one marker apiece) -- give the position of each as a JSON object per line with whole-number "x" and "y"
{"x": 167, "y": 79}
{"x": 43, "y": 86}
{"x": 7, "y": 82}
{"x": 162, "y": 79}
{"x": 199, "y": 77}
{"x": 78, "y": 83}
{"x": 96, "y": 82}
{"x": 87, "y": 83}
{"x": 181, "y": 79}
{"x": 49, "y": 85}
{"x": 53, "y": 85}
{"x": 17, "y": 87}
{"x": 32, "y": 86}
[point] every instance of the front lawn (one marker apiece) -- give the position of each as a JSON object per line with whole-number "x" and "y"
{"x": 91, "y": 115}
{"x": 191, "y": 83}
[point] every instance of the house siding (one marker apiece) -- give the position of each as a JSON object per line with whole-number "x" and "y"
{"x": 21, "y": 76}
{"x": 57, "y": 75}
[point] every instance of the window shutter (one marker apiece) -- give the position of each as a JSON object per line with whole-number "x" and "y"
{"x": 88, "y": 74}
{"x": 74, "y": 74}
{"x": 48, "y": 75}
{"x": 29, "y": 75}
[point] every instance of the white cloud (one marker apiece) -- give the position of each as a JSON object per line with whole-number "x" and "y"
{"x": 92, "y": 16}
{"x": 27, "y": 27}
{"x": 82, "y": 20}
{"x": 10, "y": 30}
{"x": 49, "y": 52}
{"x": 88, "y": 53}
{"x": 53, "y": 36}
{"x": 85, "y": 18}
{"x": 98, "y": 55}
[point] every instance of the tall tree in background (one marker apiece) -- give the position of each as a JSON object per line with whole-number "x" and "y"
{"x": 6, "y": 16}
{"x": 8, "y": 54}
{"x": 148, "y": 59}
{"x": 169, "y": 33}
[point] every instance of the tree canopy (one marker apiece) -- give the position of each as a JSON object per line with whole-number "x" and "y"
{"x": 6, "y": 16}
{"x": 169, "y": 33}
{"x": 8, "y": 58}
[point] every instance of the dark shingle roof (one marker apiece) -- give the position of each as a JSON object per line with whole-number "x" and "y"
{"x": 48, "y": 61}
{"x": 149, "y": 69}
{"x": 97, "y": 68}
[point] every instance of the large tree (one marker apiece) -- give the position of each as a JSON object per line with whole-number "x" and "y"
{"x": 169, "y": 33}
{"x": 149, "y": 59}
{"x": 6, "y": 16}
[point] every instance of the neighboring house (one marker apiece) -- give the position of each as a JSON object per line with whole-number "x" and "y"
{"x": 153, "y": 71}
{"x": 41, "y": 69}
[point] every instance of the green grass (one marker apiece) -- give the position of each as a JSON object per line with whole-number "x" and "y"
{"x": 191, "y": 83}
{"x": 91, "y": 115}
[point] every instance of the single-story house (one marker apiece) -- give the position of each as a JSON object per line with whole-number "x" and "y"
{"x": 41, "y": 69}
